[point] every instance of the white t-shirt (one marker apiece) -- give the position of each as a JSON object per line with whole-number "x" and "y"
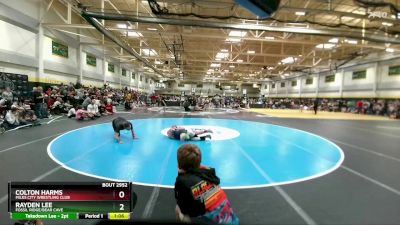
{"x": 11, "y": 118}
{"x": 56, "y": 103}
{"x": 93, "y": 108}
{"x": 71, "y": 112}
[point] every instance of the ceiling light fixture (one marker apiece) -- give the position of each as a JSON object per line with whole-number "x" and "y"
{"x": 224, "y": 50}
{"x": 325, "y": 46}
{"x": 231, "y": 66}
{"x": 233, "y": 40}
{"x": 333, "y": 40}
{"x": 251, "y": 52}
{"x": 149, "y": 52}
{"x": 236, "y": 33}
{"x": 215, "y": 65}
{"x": 239, "y": 60}
{"x": 389, "y": 50}
{"x": 153, "y": 29}
{"x": 122, "y": 26}
{"x": 353, "y": 42}
{"x": 269, "y": 38}
{"x": 387, "y": 24}
{"x": 222, "y": 55}
{"x": 134, "y": 34}
{"x": 300, "y": 13}
{"x": 288, "y": 60}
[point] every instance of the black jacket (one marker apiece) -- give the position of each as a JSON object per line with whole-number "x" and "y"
{"x": 183, "y": 190}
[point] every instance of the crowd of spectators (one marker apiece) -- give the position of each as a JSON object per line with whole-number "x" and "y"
{"x": 381, "y": 107}
{"x": 76, "y": 101}
{"x": 197, "y": 102}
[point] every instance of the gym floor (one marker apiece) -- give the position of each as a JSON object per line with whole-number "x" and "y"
{"x": 365, "y": 189}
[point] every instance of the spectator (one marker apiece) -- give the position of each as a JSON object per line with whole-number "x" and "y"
{"x": 86, "y": 102}
{"x": 58, "y": 106}
{"x": 7, "y": 95}
{"x": 25, "y": 114}
{"x": 40, "y": 106}
{"x": 92, "y": 108}
{"x": 109, "y": 108}
{"x": 71, "y": 112}
{"x": 197, "y": 192}
{"x": 315, "y": 106}
{"x": 82, "y": 114}
{"x": 360, "y": 105}
{"x": 12, "y": 117}
{"x": 49, "y": 91}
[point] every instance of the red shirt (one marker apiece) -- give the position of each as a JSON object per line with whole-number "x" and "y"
{"x": 50, "y": 102}
{"x": 109, "y": 108}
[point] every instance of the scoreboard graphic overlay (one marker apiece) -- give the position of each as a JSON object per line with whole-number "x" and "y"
{"x": 70, "y": 201}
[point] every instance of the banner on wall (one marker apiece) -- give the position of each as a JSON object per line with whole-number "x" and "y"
{"x": 330, "y": 78}
{"x": 59, "y": 49}
{"x": 90, "y": 60}
{"x": 394, "y": 71}
{"x": 111, "y": 68}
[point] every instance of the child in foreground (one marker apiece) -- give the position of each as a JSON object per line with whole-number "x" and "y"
{"x": 197, "y": 192}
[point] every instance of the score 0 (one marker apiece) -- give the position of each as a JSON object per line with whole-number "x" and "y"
{"x": 121, "y": 195}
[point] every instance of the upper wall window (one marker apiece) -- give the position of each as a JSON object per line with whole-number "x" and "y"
{"x": 199, "y": 85}
{"x": 309, "y": 81}
{"x": 294, "y": 83}
{"x": 394, "y": 71}
{"x": 273, "y": 86}
{"x": 124, "y": 72}
{"x": 357, "y": 75}
{"x": 329, "y": 78}
{"x": 133, "y": 76}
{"x": 111, "y": 68}
{"x": 283, "y": 84}
{"x": 181, "y": 85}
{"x": 91, "y": 60}
{"x": 59, "y": 49}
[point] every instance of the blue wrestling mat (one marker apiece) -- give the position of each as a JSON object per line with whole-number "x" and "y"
{"x": 245, "y": 154}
